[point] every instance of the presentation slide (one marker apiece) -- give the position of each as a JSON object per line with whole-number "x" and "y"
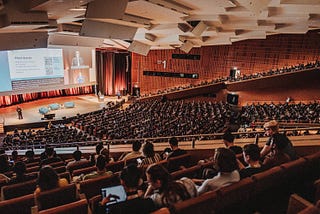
{"x": 44, "y": 69}
{"x": 31, "y": 70}
{"x": 35, "y": 64}
{"x": 5, "y": 80}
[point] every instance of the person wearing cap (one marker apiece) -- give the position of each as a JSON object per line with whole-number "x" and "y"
{"x": 272, "y": 130}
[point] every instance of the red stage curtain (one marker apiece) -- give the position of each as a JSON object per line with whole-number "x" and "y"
{"x": 121, "y": 69}
{"x": 113, "y": 73}
{"x": 20, "y": 98}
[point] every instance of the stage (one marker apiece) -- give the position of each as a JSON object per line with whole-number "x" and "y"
{"x": 30, "y": 110}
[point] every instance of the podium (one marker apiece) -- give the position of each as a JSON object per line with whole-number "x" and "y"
{"x": 48, "y": 116}
{"x": 101, "y": 98}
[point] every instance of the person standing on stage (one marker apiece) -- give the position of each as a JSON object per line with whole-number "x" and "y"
{"x": 19, "y": 111}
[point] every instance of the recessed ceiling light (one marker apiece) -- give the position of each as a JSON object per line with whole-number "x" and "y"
{"x": 79, "y": 9}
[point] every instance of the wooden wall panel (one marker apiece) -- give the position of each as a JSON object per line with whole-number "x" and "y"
{"x": 249, "y": 56}
{"x": 279, "y": 95}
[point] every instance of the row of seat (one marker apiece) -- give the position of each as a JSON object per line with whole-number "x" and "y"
{"x": 299, "y": 205}
{"x": 43, "y": 201}
{"x": 238, "y": 196}
{"x": 171, "y": 164}
{"x": 94, "y": 186}
{"x": 255, "y": 193}
{"x": 24, "y": 188}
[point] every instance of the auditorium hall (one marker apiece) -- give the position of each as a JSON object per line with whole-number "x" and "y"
{"x": 160, "y": 106}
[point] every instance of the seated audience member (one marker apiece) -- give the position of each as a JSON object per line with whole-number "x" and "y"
{"x": 19, "y": 169}
{"x": 228, "y": 139}
{"x": 49, "y": 179}
{"x": 14, "y": 157}
{"x": 130, "y": 179}
{"x": 225, "y": 162}
{"x": 106, "y": 154}
{"x": 5, "y": 165}
{"x": 165, "y": 153}
{"x": 150, "y": 156}
{"x": 51, "y": 157}
{"x": 136, "y": 146}
{"x": 94, "y": 157}
{"x": 4, "y": 177}
{"x": 101, "y": 169}
{"x": 29, "y": 157}
{"x": 43, "y": 154}
{"x": 272, "y": 130}
{"x": 164, "y": 191}
{"x": 277, "y": 155}
{"x": 77, "y": 159}
{"x": 176, "y": 151}
{"x": 251, "y": 155}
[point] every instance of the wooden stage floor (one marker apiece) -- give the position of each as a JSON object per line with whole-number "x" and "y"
{"x": 30, "y": 110}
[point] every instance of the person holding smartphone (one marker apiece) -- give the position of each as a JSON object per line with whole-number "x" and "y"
{"x": 175, "y": 150}
{"x": 130, "y": 179}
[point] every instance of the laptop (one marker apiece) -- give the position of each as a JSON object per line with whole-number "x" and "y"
{"x": 116, "y": 193}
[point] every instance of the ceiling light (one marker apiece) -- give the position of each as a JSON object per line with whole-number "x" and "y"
{"x": 79, "y": 9}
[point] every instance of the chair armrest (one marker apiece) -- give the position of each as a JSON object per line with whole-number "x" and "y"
{"x": 34, "y": 210}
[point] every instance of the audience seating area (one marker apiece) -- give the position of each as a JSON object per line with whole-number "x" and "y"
{"x": 251, "y": 194}
{"x": 271, "y": 72}
{"x": 263, "y": 192}
{"x": 92, "y": 187}
{"x": 56, "y": 197}
{"x": 77, "y": 207}
{"x": 17, "y": 204}
{"x": 156, "y": 119}
{"x": 17, "y": 190}
{"x": 292, "y": 187}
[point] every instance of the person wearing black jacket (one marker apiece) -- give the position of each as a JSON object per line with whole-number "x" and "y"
{"x": 276, "y": 138}
{"x": 19, "y": 111}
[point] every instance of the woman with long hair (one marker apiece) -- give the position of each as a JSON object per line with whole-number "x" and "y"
{"x": 164, "y": 191}
{"x": 49, "y": 179}
{"x": 150, "y": 156}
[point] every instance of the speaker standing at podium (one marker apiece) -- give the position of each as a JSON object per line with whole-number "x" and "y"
{"x": 19, "y": 111}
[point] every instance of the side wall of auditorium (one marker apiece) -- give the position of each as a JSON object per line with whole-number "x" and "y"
{"x": 250, "y": 56}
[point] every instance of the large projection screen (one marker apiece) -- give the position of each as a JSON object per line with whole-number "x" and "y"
{"x": 44, "y": 69}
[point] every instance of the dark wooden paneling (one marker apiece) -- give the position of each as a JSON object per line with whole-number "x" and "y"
{"x": 249, "y": 56}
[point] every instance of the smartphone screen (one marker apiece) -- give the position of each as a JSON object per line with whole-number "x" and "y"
{"x": 139, "y": 160}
